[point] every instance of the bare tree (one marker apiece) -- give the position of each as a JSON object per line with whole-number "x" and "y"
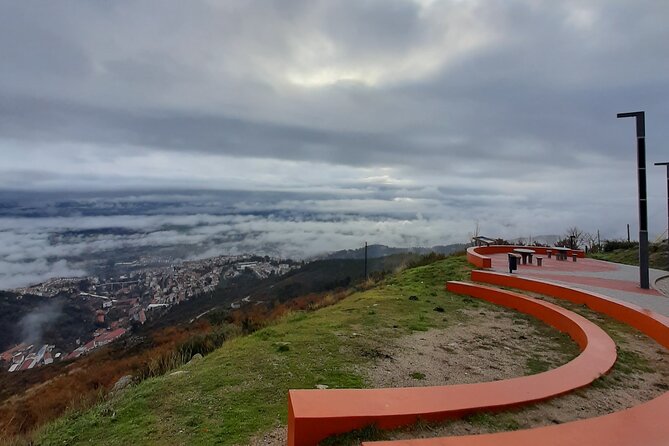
{"x": 590, "y": 240}
{"x": 577, "y": 234}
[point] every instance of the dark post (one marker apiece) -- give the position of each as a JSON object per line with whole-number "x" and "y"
{"x": 365, "y": 260}
{"x": 571, "y": 241}
{"x": 628, "y": 232}
{"x": 640, "y": 116}
{"x": 667, "y": 164}
{"x": 599, "y": 244}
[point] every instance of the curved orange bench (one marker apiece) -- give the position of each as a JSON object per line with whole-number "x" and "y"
{"x": 645, "y": 424}
{"x": 478, "y": 255}
{"x": 314, "y": 415}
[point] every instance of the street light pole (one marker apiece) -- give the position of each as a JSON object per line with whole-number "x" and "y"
{"x": 644, "y": 281}
{"x": 667, "y": 164}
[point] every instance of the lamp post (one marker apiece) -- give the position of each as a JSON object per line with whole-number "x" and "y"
{"x": 365, "y": 260}
{"x": 644, "y": 281}
{"x": 667, "y": 164}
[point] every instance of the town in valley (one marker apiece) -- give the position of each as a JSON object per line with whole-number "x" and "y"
{"x": 117, "y": 302}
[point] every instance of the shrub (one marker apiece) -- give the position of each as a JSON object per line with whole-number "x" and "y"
{"x": 612, "y": 245}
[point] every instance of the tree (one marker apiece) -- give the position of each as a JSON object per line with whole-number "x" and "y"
{"x": 591, "y": 241}
{"x": 575, "y": 234}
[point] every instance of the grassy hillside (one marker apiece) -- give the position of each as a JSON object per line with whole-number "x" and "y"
{"x": 630, "y": 256}
{"x": 241, "y": 389}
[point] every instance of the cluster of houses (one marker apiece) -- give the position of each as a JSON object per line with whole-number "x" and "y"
{"x": 26, "y": 357}
{"x": 117, "y": 302}
{"x": 101, "y": 337}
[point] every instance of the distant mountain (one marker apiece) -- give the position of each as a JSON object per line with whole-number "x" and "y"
{"x": 377, "y": 251}
{"x": 544, "y": 239}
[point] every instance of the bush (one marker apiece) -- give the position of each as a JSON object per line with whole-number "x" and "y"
{"x": 612, "y": 245}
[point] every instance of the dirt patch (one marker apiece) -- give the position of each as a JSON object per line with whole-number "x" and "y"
{"x": 491, "y": 345}
{"x": 276, "y": 437}
{"x": 640, "y": 374}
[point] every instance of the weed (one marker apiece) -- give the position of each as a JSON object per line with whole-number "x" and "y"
{"x": 536, "y": 365}
{"x": 495, "y": 422}
{"x": 355, "y": 437}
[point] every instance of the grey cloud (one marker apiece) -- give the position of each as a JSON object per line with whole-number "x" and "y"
{"x": 429, "y": 111}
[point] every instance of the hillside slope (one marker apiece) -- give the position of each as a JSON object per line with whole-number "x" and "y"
{"x": 241, "y": 389}
{"x": 630, "y": 256}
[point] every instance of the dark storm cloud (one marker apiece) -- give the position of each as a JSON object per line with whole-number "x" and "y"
{"x": 481, "y": 109}
{"x": 541, "y": 87}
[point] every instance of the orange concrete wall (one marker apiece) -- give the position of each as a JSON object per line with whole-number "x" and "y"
{"x": 477, "y": 259}
{"x": 654, "y": 325}
{"x": 645, "y": 424}
{"x": 316, "y": 414}
{"x": 478, "y": 255}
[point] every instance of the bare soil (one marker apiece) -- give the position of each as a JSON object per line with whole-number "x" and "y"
{"x": 640, "y": 374}
{"x": 491, "y": 345}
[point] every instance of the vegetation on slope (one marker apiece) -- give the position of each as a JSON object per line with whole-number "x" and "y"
{"x": 630, "y": 255}
{"x": 33, "y": 397}
{"x": 241, "y": 388}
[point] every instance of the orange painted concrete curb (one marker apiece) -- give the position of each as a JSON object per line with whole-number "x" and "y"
{"x": 477, "y": 255}
{"x": 654, "y": 325}
{"x": 316, "y": 414}
{"x": 645, "y": 424}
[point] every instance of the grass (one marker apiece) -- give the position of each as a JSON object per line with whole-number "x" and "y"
{"x": 535, "y": 364}
{"x": 494, "y": 422}
{"x": 240, "y": 389}
{"x": 629, "y": 363}
{"x": 630, "y": 256}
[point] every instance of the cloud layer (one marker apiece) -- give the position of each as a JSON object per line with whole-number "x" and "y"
{"x": 380, "y": 111}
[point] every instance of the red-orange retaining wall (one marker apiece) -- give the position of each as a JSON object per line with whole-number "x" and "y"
{"x": 317, "y": 414}
{"x": 645, "y": 424}
{"x": 478, "y": 255}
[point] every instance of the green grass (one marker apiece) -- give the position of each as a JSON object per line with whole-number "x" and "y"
{"x": 536, "y": 364}
{"x": 241, "y": 389}
{"x": 657, "y": 256}
{"x": 494, "y": 422}
{"x": 629, "y": 363}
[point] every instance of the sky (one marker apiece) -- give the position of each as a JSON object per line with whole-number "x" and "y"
{"x": 453, "y": 112}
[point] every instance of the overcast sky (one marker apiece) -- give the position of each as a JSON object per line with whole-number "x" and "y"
{"x": 499, "y": 111}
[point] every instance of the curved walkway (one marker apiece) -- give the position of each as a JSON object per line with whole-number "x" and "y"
{"x": 613, "y": 279}
{"x": 317, "y": 414}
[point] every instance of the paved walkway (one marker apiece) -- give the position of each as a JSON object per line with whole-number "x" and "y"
{"x": 613, "y": 279}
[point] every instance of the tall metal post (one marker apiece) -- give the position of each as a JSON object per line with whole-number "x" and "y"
{"x": 365, "y": 260}
{"x": 667, "y": 164}
{"x": 644, "y": 281}
{"x": 628, "y": 232}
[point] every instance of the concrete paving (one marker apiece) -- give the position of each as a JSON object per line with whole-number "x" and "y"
{"x": 612, "y": 279}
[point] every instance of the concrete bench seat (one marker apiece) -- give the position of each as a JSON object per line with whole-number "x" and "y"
{"x": 314, "y": 415}
{"x": 644, "y": 424}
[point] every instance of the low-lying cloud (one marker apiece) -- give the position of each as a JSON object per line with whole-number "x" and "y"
{"x": 54, "y": 235}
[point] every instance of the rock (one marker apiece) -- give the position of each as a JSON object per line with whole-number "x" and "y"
{"x": 179, "y": 372}
{"x": 438, "y": 309}
{"x": 196, "y": 357}
{"x": 322, "y": 386}
{"x": 413, "y": 297}
{"x": 123, "y": 383}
